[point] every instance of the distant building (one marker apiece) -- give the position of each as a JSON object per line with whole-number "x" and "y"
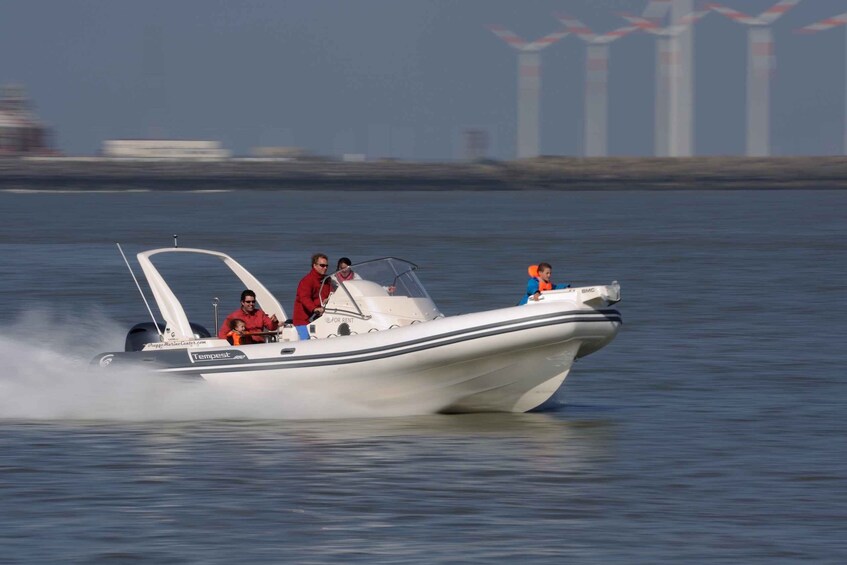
{"x": 21, "y": 132}
{"x": 164, "y": 150}
{"x": 282, "y": 152}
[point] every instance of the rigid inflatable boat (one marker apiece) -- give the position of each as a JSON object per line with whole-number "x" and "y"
{"x": 382, "y": 343}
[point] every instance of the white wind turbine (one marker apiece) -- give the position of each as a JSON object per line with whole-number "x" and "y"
{"x": 829, "y": 23}
{"x": 529, "y": 86}
{"x": 760, "y": 65}
{"x": 683, "y": 123}
{"x": 680, "y": 120}
{"x": 596, "y": 82}
{"x": 672, "y": 106}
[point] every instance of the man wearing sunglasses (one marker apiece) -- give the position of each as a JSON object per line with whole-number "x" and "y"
{"x": 310, "y": 294}
{"x": 254, "y": 318}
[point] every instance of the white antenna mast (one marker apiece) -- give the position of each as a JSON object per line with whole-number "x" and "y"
{"x": 155, "y": 324}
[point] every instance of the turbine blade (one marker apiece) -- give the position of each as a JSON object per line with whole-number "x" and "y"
{"x": 734, "y": 15}
{"x": 776, "y": 11}
{"x": 576, "y": 27}
{"x": 507, "y": 36}
{"x": 614, "y": 35}
{"x": 546, "y": 41}
{"x": 639, "y": 22}
{"x": 828, "y": 23}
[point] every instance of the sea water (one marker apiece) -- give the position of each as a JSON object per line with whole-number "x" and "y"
{"x": 711, "y": 430}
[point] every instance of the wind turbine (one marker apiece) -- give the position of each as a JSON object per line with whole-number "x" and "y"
{"x": 529, "y": 86}
{"x": 760, "y": 65}
{"x": 829, "y": 23}
{"x": 681, "y": 119}
{"x": 596, "y": 82}
{"x": 671, "y": 106}
{"x": 683, "y": 124}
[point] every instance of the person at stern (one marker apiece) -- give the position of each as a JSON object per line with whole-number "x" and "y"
{"x": 255, "y": 320}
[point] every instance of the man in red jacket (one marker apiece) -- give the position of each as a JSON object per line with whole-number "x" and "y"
{"x": 254, "y": 319}
{"x": 309, "y": 293}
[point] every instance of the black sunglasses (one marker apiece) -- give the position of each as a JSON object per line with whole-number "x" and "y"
{"x": 322, "y": 265}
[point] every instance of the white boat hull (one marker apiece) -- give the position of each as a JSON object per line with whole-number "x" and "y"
{"x": 470, "y": 363}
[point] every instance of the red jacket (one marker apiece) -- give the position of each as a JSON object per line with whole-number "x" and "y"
{"x": 256, "y": 322}
{"x": 307, "y": 297}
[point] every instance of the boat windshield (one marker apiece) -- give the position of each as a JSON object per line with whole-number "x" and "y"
{"x": 397, "y": 276}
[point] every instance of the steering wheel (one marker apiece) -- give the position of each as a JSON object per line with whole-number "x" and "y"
{"x": 327, "y": 280}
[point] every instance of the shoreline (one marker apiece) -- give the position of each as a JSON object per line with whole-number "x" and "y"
{"x": 543, "y": 173}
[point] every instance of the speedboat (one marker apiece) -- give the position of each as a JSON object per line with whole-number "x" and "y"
{"x": 382, "y": 343}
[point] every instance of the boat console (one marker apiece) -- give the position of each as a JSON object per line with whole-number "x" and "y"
{"x": 383, "y": 293}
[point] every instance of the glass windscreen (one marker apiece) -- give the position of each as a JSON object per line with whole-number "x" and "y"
{"x": 395, "y": 275}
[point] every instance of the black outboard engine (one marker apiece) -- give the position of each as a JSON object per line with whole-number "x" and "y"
{"x": 145, "y": 332}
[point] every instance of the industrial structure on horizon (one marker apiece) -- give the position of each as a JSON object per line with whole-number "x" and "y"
{"x": 672, "y": 23}
{"x": 161, "y": 149}
{"x": 21, "y": 132}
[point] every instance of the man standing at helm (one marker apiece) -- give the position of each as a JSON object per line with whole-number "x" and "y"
{"x": 310, "y": 293}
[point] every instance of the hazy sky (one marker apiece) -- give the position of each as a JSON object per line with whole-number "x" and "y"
{"x": 338, "y": 76}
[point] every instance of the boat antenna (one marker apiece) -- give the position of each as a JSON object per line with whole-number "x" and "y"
{"x": 155, "y": 324}
{"x": 176, "y": 244}
{"x": 215, "y": 303}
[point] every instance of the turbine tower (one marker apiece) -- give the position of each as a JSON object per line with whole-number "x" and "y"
{"x": 829, "y": 23}
{"x": 596, "y": 82}
{"x": 682, "y": 120}
{"x": 671, "y": 139}
{"x": 529, "y": 86}
{"x": 760, "y": 65}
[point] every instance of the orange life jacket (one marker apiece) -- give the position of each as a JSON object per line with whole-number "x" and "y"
{"x": 234, "y": 337}
{"x": 542, "y": 285}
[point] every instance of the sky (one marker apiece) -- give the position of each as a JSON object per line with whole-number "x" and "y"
{"x": 393, "y": 78}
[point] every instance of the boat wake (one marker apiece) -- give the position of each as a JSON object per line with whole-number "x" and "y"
{"x": 52, "y": 380}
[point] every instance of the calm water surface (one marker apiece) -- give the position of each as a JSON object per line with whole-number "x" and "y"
{"x": 711, "y": 430}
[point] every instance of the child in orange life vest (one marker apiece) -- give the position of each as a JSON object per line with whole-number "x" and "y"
{"x": 237, "y": 331}
{"x": 539, "y": 281}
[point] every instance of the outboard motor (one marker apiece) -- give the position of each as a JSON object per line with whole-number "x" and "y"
{"x": 145, "y": 332}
